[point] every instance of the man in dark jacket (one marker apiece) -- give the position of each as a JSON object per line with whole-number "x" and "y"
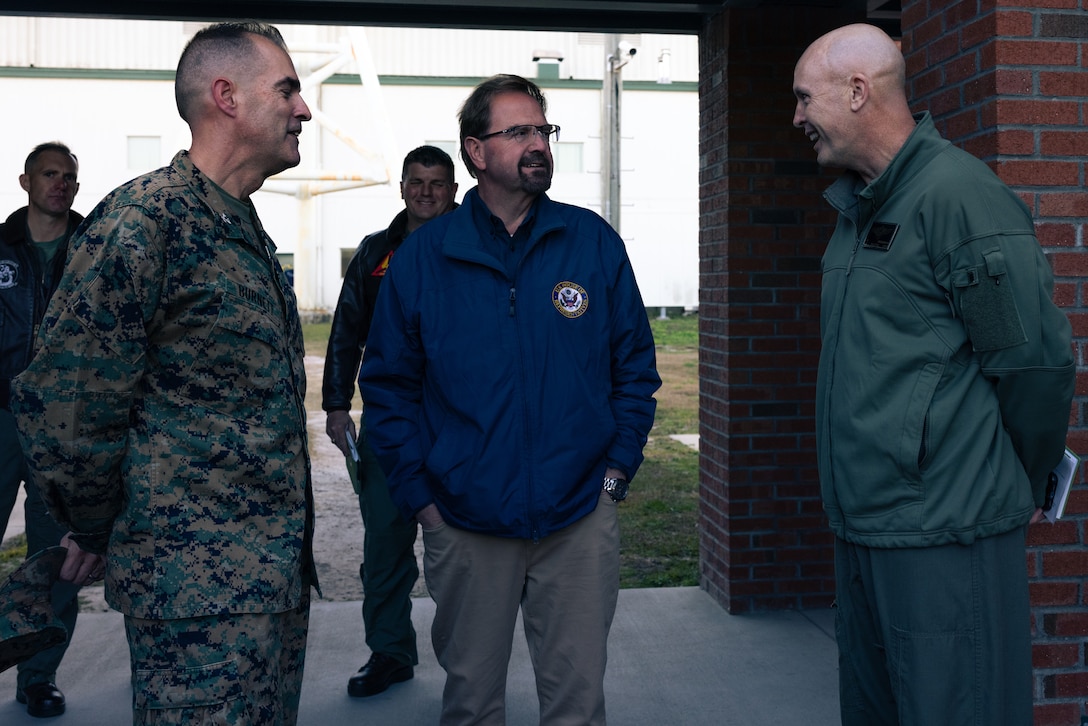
{"x": 389, "y": 570}
{"x": 508, "y": 386}
{"x": 33, "y": 245}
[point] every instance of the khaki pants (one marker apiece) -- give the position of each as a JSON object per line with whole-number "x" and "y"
{"x": 566, "y": 586}
{"x": 232, "y": 669}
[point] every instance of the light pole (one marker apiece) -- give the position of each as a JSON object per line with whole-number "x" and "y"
{"x": 617, "y": 54}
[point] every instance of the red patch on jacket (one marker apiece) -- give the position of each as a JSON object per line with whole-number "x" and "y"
{"x": 379, "y": 271}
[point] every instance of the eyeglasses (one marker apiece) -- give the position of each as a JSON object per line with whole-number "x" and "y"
{"x": 523, "y": 134}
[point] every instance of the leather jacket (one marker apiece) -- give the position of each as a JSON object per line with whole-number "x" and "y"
{"x": 354, "y": 309}
{"x": 23, "y": 297}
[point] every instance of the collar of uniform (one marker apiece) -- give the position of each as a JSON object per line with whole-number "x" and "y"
{"x": 15, "y": 231}
{"x": 14, "y": 228}
{"x": 225, "y": 208}
{"x": 849, "y": 193}
{"x": 397, "y": 229}
{"x": 218, "y": 201}
{"x": 488, "y": 224}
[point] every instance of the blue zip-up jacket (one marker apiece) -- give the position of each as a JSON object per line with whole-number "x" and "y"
{"x": 500, "y": 398}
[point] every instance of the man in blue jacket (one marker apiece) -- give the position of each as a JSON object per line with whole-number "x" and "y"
{"x": 942, "y": 400}
{"x": 508, "y": 385}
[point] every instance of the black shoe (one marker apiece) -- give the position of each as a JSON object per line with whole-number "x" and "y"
{"x": 42, "y": 699}
{"x": 380, "y": 672}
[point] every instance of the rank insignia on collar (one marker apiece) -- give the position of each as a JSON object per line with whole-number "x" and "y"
{"x": 880, "y": 236}
{"x": 570, "y": 299}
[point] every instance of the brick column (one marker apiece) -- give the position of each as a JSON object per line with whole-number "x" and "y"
{"x": 1008, "y": 82}
{"x": 764, "y": 540}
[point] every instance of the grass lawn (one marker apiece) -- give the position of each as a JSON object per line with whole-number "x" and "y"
{"x": 12, "y": 554}
{"x": 659, "y": 521}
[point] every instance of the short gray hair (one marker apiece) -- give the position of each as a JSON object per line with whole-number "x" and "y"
{"x": 218, "y": 45}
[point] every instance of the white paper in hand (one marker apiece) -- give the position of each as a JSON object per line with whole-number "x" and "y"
{"x": 1061, "y": 480}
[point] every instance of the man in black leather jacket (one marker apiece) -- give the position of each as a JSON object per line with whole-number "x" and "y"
{"x": 33, "y": 247}
{"x": 389, "y": 570}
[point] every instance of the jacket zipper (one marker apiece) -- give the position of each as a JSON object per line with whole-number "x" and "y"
{"x": 534, "y": 529}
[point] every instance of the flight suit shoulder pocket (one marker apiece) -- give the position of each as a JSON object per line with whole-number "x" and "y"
{"x": 987, "y": 303}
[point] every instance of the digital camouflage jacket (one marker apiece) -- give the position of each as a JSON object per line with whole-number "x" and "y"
{"x": 164, "y": 410}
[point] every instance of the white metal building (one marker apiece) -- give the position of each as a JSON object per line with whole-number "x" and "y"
{"x": 105, "y": 87}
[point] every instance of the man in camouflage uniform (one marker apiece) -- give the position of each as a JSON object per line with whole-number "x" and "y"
{"x": 163, "y": 414}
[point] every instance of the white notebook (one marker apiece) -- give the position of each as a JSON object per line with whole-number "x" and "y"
{"x": 1062, "y": 481}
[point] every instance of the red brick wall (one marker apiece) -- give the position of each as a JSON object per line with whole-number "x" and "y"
{"x": 1008, "y": 81}
{"x": 764, "y": 539}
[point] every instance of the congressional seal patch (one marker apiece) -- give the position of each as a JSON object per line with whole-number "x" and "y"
{"x": 570, "y": 299}
{"x": 9, "y": 274}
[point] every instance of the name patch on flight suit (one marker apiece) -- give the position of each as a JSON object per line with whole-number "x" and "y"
{"x": 880, "y": 236}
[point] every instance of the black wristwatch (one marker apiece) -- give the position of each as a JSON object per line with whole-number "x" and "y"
{"x": 615, "y": 488}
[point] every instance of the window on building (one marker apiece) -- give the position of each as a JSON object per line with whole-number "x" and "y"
{"x": 144, "y": 152}
{"x": 450, "y": 147}
{"x": 568, "y": 157}
{"x": 346, "y": 253}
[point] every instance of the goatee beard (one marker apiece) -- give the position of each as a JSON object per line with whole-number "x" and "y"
{"x": 535, "y": 183}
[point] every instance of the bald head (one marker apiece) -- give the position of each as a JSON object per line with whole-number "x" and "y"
{"x": 850, "y": 86}
{"x": 861, "y": 49}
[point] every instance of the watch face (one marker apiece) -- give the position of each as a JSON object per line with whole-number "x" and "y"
{"x": 616, "y": 488}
